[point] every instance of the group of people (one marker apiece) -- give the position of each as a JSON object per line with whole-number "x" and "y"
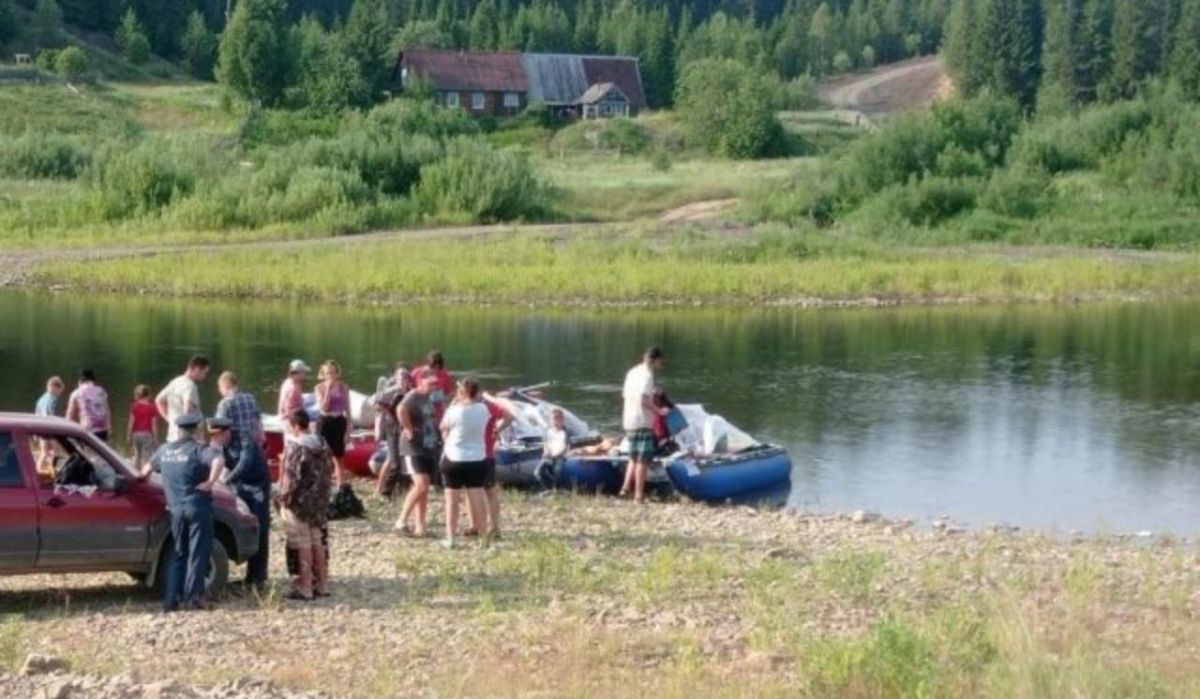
{"x": 433, "y": 427}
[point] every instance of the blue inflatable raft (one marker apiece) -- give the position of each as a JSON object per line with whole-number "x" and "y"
{"x": 734, "y": 477}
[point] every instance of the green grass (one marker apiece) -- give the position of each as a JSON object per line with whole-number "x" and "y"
{"x": 627, "y": 268}
{"x": 609, "y": 187}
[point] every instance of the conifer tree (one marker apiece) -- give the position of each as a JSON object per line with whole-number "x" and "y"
{"x": 1185, "y": 54}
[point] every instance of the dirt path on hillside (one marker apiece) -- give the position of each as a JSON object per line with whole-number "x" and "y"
{"x": 890, "y": 89}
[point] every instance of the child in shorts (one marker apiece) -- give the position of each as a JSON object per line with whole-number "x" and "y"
{"x": 142, "y": 433}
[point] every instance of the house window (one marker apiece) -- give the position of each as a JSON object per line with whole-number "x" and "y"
{"x": 451, "y": 99}
{"x": 512, "y": 100}
{"x": 477, "y": 101}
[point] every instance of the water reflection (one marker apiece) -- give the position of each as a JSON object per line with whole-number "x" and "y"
{"x": 1076, "y": 417}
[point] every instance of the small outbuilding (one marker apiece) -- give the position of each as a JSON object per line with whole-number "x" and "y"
{"x": 603, "y": 101}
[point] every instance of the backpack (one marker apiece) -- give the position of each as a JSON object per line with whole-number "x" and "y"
{"x": 346, "y": 505}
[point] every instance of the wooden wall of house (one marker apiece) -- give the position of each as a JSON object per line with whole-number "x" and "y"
{"x": 493, "y": 102}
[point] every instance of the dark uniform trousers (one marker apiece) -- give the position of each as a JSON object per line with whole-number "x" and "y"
{"x": 192, "y": 529}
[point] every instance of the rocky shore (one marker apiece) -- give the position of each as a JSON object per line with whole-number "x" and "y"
{"x": 599, "y": 597}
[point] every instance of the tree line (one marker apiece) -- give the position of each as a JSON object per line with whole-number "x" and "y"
{"x": 354, "y": 42}
{"x": 1062, "y": 54}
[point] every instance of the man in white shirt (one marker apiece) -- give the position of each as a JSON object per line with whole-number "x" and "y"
{"x": 182, "y": 396}
{"x": 638, "y": 421}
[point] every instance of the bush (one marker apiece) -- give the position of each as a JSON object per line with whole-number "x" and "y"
{"x": 71, "y": 63}
{"x": 842, "y": 62}
{"x": 624, "y": 136}
{"x": 801, "y": 94}
{"x": 729, "y": 108}
{"x": 42, "y": 156}
{"x": 954, "y": 139}
{"x": 1078, "y": 142}
{"x": 1017, "y": 191}
{"x": 928, "y": 201}
{"x": 130, "y": 181}
{"x": 277, "y": 127}
{"x": 137, "y": 49}
{"x": 390, "y": 162}
{"x": 413, "y": 117}
{"x": 481, "y": 183}
{"x": 47, "y": 60}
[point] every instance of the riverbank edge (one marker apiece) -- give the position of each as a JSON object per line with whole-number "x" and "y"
{"x": 37, "y": 283}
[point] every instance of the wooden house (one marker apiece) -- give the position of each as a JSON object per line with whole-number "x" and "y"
{"x": 503, "y": 83}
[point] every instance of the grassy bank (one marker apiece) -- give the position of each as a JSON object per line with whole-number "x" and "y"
{"x": 603, "y": 267}
{"x": 596, "y": 598}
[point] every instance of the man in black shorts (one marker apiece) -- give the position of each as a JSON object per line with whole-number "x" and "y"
{"x": 417, "y": 449}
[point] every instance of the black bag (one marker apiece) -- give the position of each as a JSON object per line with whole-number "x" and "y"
{"x": 346, "y": 505}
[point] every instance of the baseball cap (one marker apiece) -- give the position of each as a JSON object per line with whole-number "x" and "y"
{"x": 298, "y": 365}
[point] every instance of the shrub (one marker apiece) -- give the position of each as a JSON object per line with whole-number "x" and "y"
{"x": 842, "y": 62}
{"x": 928, "y": 201}
{"x": 390, "y": 162}
{"x": 481, "y": 183}
{"x": 272, "y": 127}
{"x": 412, "y": 117}
{"x": 42, "y": 156}
{"x": 969, "y": 137}
{"x": 729, "y": 108}
{"x": 71, "y": 63}
{"x": 47, "y": 60}
{"x": 624, "y": 136}
{"x": 137, "y": 49}
{"x": 1077, "y": 142}
{"x": 1017, "y": 191}
{"x": 801, "y": 93}
{"x": 130, "y": 181}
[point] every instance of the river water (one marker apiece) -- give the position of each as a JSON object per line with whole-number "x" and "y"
{"x": 1056, "y": 418}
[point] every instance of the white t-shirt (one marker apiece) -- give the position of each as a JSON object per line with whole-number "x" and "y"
{"x": 556, "y": 443}
{"x": 179, "y": 395}
{"x": 467, "y": 424}
{"x": 639, "y": 384}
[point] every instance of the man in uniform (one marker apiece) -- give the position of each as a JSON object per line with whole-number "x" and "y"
{"x": 188, "y": 469}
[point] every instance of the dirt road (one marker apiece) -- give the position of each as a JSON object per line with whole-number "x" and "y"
{"x": 890, "y": 89}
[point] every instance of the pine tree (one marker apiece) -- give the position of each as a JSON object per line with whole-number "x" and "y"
{"x": 8, "y": 22}
{"x": 1185, "y": 53}
{"x": 965, "y": 49}
{"x": 820, "y": 32}
{"x": 131, "y": 37}
{"x": 254, "y": 52}
{"x": 484, "y": 35}
{"x": 1128, "y": 50}
{"x": 1095, "y": 58}
{"x": 1060, "y": 56}
{"x": 367, "y": 37}
{"x": 199, "y": 47}
{"x": 47, "y": 24}
{"x": 1011, "y": 32}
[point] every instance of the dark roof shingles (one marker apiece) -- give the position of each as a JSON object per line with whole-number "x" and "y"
{"x": 456, "y": 70}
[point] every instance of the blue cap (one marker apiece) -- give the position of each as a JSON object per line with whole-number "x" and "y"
{"x": 188, "y": 422}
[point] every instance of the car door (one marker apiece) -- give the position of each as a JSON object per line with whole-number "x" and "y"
{"x": 96, "y": 525}
{"x": 18, "y": 508}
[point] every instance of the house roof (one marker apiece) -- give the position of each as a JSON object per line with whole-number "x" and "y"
{"x": 499, "y": 71}
{"x": 561, "y": 78}
{"x": 552, "y": 78}
{"x": 599, "y": 91}
{"x": 621, "y": 71}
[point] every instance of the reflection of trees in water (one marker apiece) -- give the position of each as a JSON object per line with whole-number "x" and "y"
{"x": 824, "y": 379}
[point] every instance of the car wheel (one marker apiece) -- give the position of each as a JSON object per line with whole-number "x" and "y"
{"x": 218, "y": 571}
{"x": 215, "y": 580}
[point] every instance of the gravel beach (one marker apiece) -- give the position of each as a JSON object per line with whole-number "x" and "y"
{"x": 599, "y": 597}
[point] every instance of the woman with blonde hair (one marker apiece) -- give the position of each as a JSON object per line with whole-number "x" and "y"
{"x": 333, "y": 403}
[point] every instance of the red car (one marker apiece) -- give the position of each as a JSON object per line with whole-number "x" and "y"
{"x": 69, "y": 504}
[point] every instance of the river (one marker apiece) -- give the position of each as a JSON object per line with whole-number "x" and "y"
{"x": 1056, "y": 418}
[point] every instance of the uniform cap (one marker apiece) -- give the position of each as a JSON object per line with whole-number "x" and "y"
{"x": 188, "y": 422}
{"x": 219, "y": 424}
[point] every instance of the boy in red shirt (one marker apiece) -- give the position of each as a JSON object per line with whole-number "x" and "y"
{"x": 142, "y": 434}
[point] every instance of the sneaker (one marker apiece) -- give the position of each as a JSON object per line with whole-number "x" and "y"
{"x": 448, "y": 543}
